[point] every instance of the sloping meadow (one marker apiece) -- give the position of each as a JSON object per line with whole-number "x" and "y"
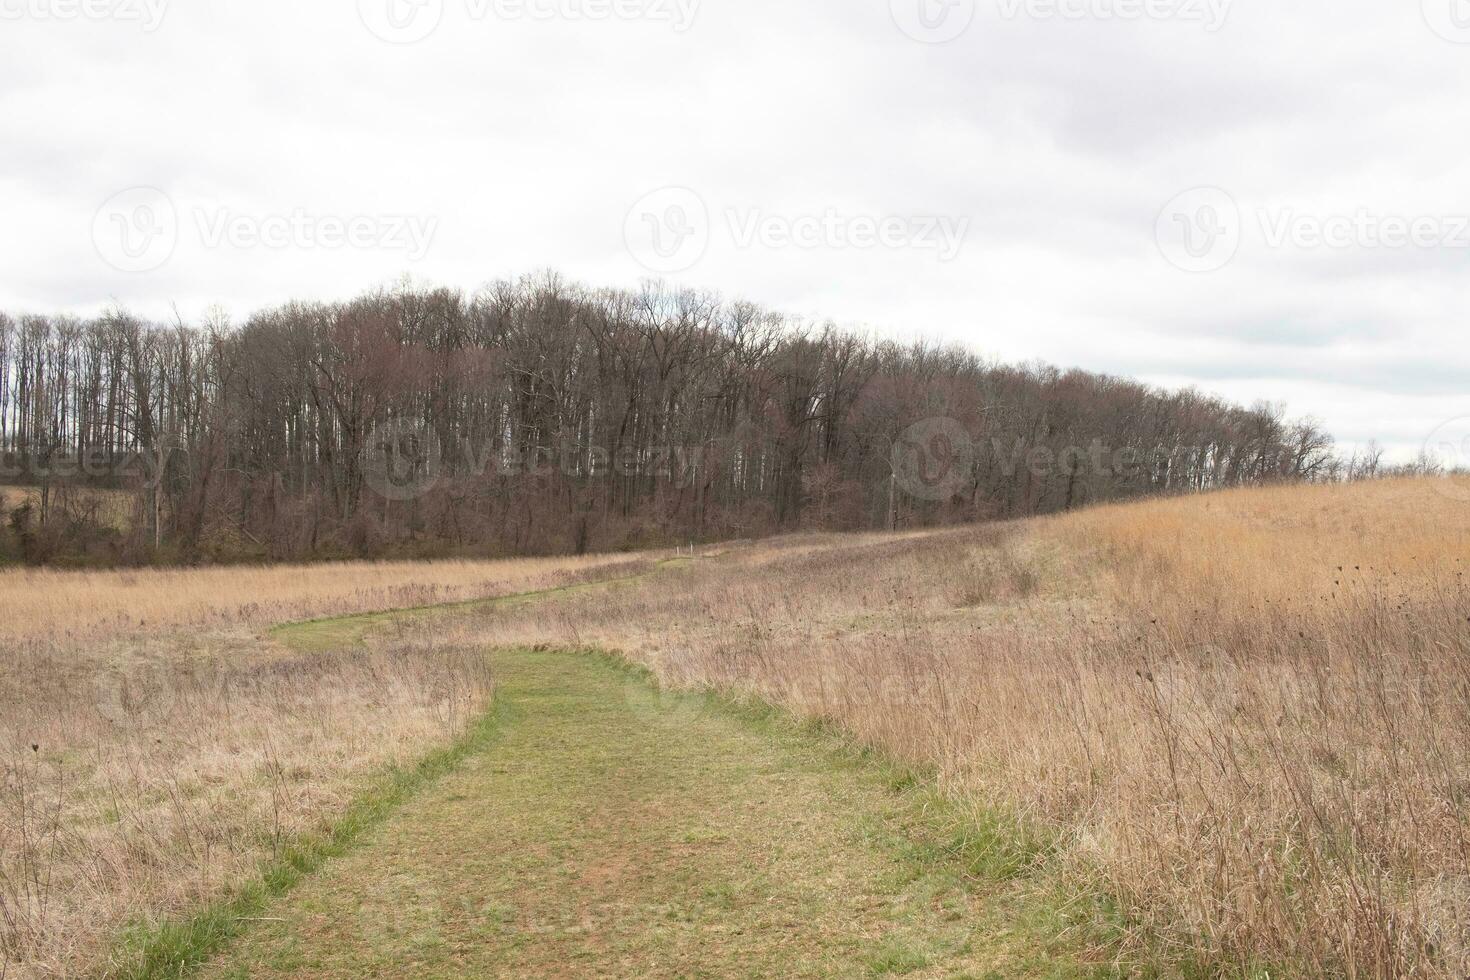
{"x": 1245, "y": 717}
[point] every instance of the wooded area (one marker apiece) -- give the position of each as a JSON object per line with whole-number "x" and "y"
{"x": 564, "y": 419}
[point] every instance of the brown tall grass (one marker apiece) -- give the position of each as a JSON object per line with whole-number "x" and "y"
{"x": 154, "y": 746}
{"x": 80, "y": 607}
{"x": 1245, "y": 716}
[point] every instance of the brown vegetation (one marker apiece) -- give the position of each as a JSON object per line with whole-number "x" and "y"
{"x": 1245, "y": 715}
{"x": 72, "y": 607}
{"x": 154, "y": 747}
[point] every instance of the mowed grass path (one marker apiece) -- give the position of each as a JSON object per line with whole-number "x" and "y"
{"x": 610, "y": 830}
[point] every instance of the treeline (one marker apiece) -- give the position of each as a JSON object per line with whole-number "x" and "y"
{"x": 540, "y": 416}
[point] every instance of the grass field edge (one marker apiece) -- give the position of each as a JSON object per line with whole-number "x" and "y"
{"x": 989, "y": 843}
{"x": 176, "y": 947}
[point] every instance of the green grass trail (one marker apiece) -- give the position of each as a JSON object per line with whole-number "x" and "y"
{"x": 607, "y": 829}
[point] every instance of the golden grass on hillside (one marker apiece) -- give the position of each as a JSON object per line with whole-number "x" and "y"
{"x": 1305, "y": 666}
{"x": 1246, "y": 715}
{"x": 70, "y": 607}
{"x": 154, "y": 747}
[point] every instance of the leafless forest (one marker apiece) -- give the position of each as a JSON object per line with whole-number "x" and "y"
{"x": 562, "y": 419}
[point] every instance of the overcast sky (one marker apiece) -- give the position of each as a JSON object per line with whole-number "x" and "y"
{"x": 1264, "y": 199}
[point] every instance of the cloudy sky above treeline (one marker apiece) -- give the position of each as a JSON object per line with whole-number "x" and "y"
{"x": 1265, "y": 200}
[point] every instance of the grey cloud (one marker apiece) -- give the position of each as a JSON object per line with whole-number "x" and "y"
{"x": 1059, "y": 141}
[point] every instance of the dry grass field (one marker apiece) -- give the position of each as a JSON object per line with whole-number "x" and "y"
{"x": 155, "y": 745}
{"x": 82, "y": 607}
{"x": 1241, "y": 721}
{"x": 1244, "y": 716}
